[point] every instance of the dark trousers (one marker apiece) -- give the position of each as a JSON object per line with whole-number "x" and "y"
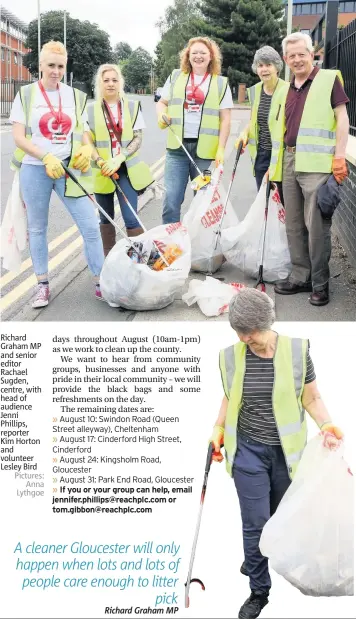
{"x": 106, "y": 201}
{"x": 262, "y": 162}
{"x": 261, "y": 479}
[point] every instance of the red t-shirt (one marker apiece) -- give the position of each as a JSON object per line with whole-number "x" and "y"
{"x": 296, "y": 101}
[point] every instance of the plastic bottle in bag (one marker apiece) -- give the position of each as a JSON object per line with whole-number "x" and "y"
{"x": 171, "y": 253}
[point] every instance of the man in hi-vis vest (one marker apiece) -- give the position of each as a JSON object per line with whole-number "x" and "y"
{"x": 315, "y": 126}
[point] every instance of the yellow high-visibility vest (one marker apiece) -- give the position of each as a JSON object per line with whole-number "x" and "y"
{"x": 27, "y": 94}
{"x": 278, "y": 101}
{"x": 208, "y": 139}
{"x": 138, "y": 171}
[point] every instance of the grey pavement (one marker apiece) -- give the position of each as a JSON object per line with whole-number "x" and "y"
{"x": 72, "y": 288}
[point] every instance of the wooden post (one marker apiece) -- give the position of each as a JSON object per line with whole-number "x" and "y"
{"x": 241, "y": 96}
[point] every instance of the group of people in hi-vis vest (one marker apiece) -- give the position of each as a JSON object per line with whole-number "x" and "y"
{"x": 298, "y": 132}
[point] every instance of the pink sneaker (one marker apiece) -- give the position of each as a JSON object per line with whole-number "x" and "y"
{"x": 98, "y": 294}
{"x": 41, "y": 297}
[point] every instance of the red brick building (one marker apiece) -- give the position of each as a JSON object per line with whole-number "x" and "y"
{"x": 306, "y": 14}
{"x": 13, "y": 36}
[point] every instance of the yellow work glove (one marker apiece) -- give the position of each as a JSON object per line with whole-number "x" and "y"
{"x": 200, "y": 181}
{"x": 83, "y": 157}
{"x": 112, "y": 165}
{"x": 243, "y": 137}
{"x": 332, "y": 435}
{"x": 53, "y": 166}
{"x": 219, "y": 157}
{"x": 162, "y": 123}
{"x": 217, "y": 439}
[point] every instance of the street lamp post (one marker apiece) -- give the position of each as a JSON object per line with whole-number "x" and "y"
{"x": 65, "y": 41}
{"x": 289, "y": 30}
{"x": 39, "y": 35}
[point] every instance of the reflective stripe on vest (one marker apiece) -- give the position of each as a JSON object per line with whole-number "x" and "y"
{"x": 27, "y": 94}
{"x": 316, "y": 139}
{"x": 138, "y": 172}
{"x": 289, "y": 377}
{"x": 208, "y": 138}
{"x": 275, "y": 124}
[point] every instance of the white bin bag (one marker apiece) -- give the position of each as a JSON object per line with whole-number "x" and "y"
{"x": 310, "y": 538}
{"x": 125, "y": 283}
{"x": 203, "y": 222}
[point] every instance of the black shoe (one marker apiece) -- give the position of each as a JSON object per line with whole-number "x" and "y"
{"x": 254, "y": 604}
{"x": 320, "y": 297}
{"x": 243, "y": 569}
{"x": 287, "y": 287}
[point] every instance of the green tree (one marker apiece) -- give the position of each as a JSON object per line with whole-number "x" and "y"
{"x": 122, "y": 51}
{"x": 88, "y": 47}
{"x": 179, "y": 24}
{"x": 137, "y": 69}
{"x": 241, "y": 27}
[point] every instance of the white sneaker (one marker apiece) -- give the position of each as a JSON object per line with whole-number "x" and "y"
{"x": 41, "y": 298}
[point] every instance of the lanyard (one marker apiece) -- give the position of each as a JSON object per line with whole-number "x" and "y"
{"x": 194, "y": 88}
{"x": 57, "y": 115}
{"x": 112, "y": 119}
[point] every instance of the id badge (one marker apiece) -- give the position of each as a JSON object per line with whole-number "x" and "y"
{"x": 59, "y": 138}
{"x": 193, "y": 108}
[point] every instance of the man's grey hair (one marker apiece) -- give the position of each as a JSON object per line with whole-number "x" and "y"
{"x": 267, "y": 55}
{"x": 298, "y": 36}
{"x": 251, "y": 310}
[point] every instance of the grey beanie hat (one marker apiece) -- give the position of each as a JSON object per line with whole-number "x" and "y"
{"x": 268, "y": 55}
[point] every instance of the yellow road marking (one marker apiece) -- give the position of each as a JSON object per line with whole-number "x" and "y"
{"x": 22, "y": 288}
{"x": 11, "y": 275}
{"x": 155, "y": 165}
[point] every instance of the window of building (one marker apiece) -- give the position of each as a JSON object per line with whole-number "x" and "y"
{"x": 349, "y": 7}
{"x": 305, "y": 31}
{"x": 3, "y": 25}
{"x": 320, "y": 7}
{"x": 8, "y": 56}
{"x": 2, "y": 54}
{"x": 15, "y": 58}
{"x": 306, "y": 8}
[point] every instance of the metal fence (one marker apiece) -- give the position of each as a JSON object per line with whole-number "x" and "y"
{"x": 341, "y": 54}
{"x": 8, "y": 92}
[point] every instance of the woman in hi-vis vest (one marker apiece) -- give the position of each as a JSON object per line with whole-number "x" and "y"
{"x": 196, "y": 102}
{"x": 116, "y": 125}
{"x": 260, "y": 134}
{"x": 269, "y": 382}
{"x": 49, "y": 127}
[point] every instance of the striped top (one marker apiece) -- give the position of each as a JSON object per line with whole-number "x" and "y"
{"x": 264, "y": 136}
{"x": 256, "y": 417}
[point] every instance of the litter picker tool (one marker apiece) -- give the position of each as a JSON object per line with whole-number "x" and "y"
{"x": 206, "y": 173}
{"x": 114, "y": 179}
{"x": 100, "y": 208}
{"x": 192, "y": 556}
{"x": 261, "y": 285}
{"x": 218, "y": 231}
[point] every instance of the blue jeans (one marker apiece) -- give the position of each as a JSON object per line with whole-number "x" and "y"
{"x": 177, "y": 171}
{"x": 106, "y": 200}
{"x": 36, "y": 188}
{"x": 261, "y": 479}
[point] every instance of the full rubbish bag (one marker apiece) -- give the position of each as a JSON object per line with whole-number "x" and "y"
{"x": 203, "y": 221}
{"x": 131, "y": 284}
{"x": 309, "y": 540}
{"x": 242, "y": 244}
{"x": 212, "y": 296}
